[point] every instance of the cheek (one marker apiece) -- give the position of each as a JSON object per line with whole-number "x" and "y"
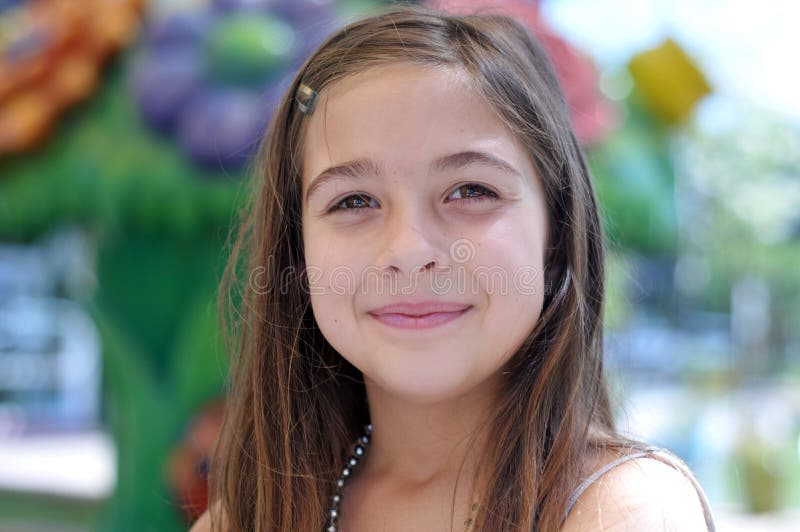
{"x": 332, "y": 306}
{"x": 509, "y": 271}
{"x": 514, "y": 275}
{"x": 515, "y": 248}
{"x": 332, "y": 269}
{"x": 329, "y": 263}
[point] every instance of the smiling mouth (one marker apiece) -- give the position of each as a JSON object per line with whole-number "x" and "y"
{"x": 416, "y": 322}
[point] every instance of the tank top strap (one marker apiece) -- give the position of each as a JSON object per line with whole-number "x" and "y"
{"x": 657, "y": 453}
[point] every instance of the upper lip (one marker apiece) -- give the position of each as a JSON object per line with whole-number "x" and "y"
{"x": 421, "y": 308}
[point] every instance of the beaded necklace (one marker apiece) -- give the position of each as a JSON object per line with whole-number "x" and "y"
{"x": 358, "y": 452}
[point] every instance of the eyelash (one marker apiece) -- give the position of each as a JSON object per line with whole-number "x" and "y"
{"x": 486, "y": 195}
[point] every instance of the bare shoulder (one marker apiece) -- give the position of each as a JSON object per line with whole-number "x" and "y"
{"x": 203, "y": 523}
{"x": 640, "y": 494}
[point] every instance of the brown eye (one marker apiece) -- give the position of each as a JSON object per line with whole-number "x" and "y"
{"x": 354, "y": 202}
{"x": 474, "y": 192}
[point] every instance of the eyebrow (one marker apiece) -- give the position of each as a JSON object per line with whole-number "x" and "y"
{"x": 362, "y": 168}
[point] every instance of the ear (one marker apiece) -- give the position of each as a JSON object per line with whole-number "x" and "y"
{"x": 553, "y": 272}
{"x": 553, "y": 263}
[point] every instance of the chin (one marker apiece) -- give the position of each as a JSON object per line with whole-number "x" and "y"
{"x": 423, "y": 388}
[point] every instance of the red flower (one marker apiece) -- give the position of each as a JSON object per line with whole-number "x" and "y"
{"x": 593, "y": 116}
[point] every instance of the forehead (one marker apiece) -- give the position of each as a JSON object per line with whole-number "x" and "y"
{"x": 404, "y": 116}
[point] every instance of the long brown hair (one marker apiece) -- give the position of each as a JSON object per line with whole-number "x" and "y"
{"x": 295, "y": 405}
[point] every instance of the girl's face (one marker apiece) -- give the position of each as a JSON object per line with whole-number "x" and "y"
{"x": 415, "y": 191}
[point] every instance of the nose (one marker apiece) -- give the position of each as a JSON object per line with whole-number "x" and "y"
{"x": 409, "y": 244}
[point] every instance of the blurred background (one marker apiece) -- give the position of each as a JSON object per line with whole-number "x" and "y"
{"x": 126, "y": 128}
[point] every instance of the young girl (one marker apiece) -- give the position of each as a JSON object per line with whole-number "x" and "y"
{"x": 417, "y": 294}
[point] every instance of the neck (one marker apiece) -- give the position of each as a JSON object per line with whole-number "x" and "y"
{"x": 419, "y": 443}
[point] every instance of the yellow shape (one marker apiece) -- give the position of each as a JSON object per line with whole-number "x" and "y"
{"x": 669, "y": 80}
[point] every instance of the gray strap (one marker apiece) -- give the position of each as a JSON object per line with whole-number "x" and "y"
{"x": 659, "y": 454}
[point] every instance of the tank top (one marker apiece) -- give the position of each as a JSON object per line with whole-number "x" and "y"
{"x": 660, "y": 454}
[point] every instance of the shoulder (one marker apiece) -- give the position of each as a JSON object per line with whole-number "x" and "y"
{"x": 203, "y": 523}
{"x": 640, "y": 494}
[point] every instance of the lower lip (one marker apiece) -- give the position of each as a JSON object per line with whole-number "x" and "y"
{"x": 428, "y": 321}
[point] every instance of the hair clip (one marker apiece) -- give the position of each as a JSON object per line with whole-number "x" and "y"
{"x": 306, "y": 98}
